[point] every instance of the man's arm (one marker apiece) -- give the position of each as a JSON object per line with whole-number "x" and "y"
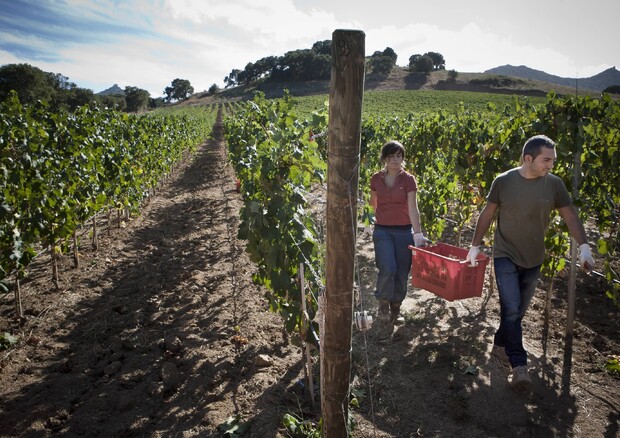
{"x": 574, "y": 224}
{"x": 484, "y": 222}
{"x": 482, "y": 225}
{"x": 576, "y": 229}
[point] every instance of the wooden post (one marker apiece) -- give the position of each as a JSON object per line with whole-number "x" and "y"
{"x": 570, "y": 317}
{"x": 344, "y": 135}
{"x": 570, "y": 311}
{"x": 305, "y": 322}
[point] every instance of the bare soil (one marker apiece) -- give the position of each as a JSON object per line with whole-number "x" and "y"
{"x": 161, "y": 332}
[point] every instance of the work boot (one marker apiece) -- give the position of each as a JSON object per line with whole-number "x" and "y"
{"x": 383, "y": 313}
{"x": 520, "y": 377}
{"x": 394, "y": 312}
{"x": 500, "y": 354}
{"x": 383, "y": 326}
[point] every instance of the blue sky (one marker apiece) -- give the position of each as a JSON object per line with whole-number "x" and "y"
{"x": 148, "y": 43}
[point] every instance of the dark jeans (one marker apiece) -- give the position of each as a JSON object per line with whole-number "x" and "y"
{"x": 516, "y": 287}
{"x": 393, "y": 258}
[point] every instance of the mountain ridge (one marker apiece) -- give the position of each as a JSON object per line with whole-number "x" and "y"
{"x": 503, "y": 79}
{"x": 113, "y": 90}
{"x": 598, "y": 82}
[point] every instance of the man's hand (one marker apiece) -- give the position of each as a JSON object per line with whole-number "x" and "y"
{"x": 419, "y": 240}
{"x": 585, "y": 257}
{"x": 472, "y": 254}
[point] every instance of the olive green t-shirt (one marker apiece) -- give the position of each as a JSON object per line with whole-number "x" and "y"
{"x": 525, "y": 207}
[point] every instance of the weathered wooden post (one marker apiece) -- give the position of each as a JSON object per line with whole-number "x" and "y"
{"x": 572, "y": 278}
{"x": 344, "y": 135}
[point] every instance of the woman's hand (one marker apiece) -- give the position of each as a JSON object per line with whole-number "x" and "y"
{"x": 419, "y": 240}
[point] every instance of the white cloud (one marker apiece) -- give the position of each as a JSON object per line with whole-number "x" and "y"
{"x": 472, "y": 49}
{"x": 148, "y": 43}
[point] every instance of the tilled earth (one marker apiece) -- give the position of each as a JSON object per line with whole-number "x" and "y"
{"x": 161, "y": 332}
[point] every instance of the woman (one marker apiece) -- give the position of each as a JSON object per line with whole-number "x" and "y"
{"x": 397, "y": 225}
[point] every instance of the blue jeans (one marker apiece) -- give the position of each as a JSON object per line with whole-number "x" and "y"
{"x": 393, "y": 258}
{"x": 516, "y": 287}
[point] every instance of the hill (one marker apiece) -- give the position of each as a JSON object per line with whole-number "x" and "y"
{"x": 113, "y": 90}
{"x": 598, "y": 82}
{"x": 400, "y": 78}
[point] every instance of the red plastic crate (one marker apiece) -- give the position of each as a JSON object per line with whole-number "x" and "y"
{"x": 440, "y": 269}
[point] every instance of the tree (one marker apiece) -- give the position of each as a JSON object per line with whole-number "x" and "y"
{"x": 438, "y": 62}
{"x": 413, "y": 59}
{"x": 612, "y": 89}
{"x": 30, "y": 83}
{"x": 265, "y": 67}
{"x": 156, "y": 102}
{"x": 136, "y": 98}
{"x": 180, "y": 89}
{"x": 390, "y": 53}
{"x": 297, "y": 65}
{"x": 232, "y": 79}
{"x": 213, "y": 89}
{"x": 248, "y": 74}
{"x": 383, "y": 62}
{"x": 78, "y": 97}
{"x": 452, "y": 74}
{"x": 60, "y": 82}
{"x": 321, "y": 67}
{"x": 323, "y": 47}
{"x": 423, "y": 64}
{"x": 113, "y": 101}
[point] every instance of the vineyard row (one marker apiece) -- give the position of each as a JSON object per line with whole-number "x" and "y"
{"x": 279, "y": 158}
{"x": 58, "y": 169}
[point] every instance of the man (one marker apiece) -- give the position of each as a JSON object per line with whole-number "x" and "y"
{"x": 523, "y": 199}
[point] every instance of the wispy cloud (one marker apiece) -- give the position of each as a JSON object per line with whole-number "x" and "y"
{"x": 148, "y": 43}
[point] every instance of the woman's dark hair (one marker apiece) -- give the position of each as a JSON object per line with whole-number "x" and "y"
{"x": 390, "y": 148}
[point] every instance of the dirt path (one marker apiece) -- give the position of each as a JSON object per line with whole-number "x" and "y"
{"x": 158, "y": 333}
{"x": 162, "y": 333}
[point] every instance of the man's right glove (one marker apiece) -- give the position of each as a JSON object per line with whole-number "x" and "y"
{"x": 585, "y": 257}
{"x": 472, "y": 254}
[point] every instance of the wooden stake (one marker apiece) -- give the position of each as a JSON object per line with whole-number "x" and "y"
{"x": 76, "y": 253}
{"x": 55, "y": 272}
{"x": 344, "y": 134}
{"x": 18, "y": 298}
{"x": 95, "y": 237}
{"x": 304, "y": 332}
{"x": 570, "y": 317}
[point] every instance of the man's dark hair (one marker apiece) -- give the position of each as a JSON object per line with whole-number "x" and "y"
{"x": 534, "y": 145}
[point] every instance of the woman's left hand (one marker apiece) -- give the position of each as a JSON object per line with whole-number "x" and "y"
{"x": 419, "y": 240}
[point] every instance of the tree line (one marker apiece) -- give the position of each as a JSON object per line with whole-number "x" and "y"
{"x": 315, "y": 64}
{"x": 33, "y": 84}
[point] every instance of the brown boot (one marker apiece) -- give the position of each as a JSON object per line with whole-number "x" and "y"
{"x": 383, "y": 313}
{"x": 394, "y": 312}
{"x": 383, "y": 326}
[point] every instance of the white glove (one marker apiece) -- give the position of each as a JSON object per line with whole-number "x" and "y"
{"x": 419, "y": 240}
{"x": 585, "y": 257}
{"x": 472, "y": 254}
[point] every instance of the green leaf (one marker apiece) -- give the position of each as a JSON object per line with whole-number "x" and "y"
{"x": 7, "y": 340}
{"x": 234, "y": 427}
{"x": 471, "y": 369}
